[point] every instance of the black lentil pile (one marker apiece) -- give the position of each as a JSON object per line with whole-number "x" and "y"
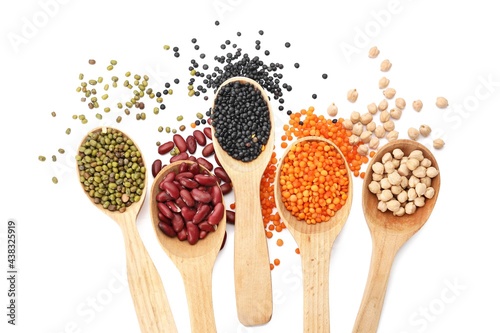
{"x": 111, "y": 168}
{"x": 234, "y": 62}
{"x": 241, "y": 120}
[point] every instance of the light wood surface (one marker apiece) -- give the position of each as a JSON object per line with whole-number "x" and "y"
{"x": 145, "y": 284}
{"x": 194, "y": 262}
{"x": 389, "y": 233}
{"x": 315, "y": 242}
{"x": 252, "y": 275}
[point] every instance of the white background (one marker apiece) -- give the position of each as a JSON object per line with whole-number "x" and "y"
{"x": 70, "y": 254}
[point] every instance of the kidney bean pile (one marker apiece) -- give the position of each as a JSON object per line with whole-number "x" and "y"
{"x": 189, "y": 203}
{"x": 186, "y": 148}
{"x": 241, "y": 120}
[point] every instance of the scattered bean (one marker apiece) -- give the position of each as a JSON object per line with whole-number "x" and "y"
{"x": 373, "y": 52}
{"x": 441, "y": 102}
{"x": 352, "y": 95}
{"x": 438, "y": 143}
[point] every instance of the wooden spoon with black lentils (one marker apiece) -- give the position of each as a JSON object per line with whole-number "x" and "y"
{"x": 243, "y": 137}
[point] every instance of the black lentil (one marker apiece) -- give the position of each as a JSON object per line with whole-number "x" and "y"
{"x": 241, "y": 120}
{"x": 324, "y": 76}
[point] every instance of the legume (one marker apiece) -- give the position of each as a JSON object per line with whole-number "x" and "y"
{"x": 314, "y": 181}
{"x": 193, "y": 207}
{"x": 403, "y": 181}
{"x": 242, "y": 124}
{"x": 112, "y": 171}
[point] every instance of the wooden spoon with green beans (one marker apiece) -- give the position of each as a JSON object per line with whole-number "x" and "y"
{"x": 389, "y": 233}
{"x": 252, "y": 276}
{"x": 194, "y": 261}
{"x": 315, "y": 242}
{"x": 103, "y": 154}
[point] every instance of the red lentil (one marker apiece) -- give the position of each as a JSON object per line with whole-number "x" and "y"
{"x": 314, "y": 181}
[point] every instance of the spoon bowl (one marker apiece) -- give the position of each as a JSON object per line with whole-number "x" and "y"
{"x": 195, "y": 262}
{"x": 389, "y": 233}
{"x": 251, "y": 258}
{"x": 146, "y": 287}
{"x": 315, "y": 242}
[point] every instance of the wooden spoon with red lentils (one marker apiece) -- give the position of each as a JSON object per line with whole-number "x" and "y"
{"x": 314, "y": 196}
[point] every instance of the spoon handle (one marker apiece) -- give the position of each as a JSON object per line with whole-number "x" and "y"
{"x": 197, "y": 277}
{"x": 315, "y": 270}
{"x": 372, "y": 303}
{"x": 254, "y": 300}
{"x": 146, "y": 287}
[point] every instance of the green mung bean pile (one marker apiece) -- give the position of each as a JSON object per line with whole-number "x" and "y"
{"x": 111, "y": 169}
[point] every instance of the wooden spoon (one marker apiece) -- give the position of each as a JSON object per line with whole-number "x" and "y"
{"x": 315, "y": 242}
{"x": 389, "y": 233}
{"x": 252, "y": 276}
{"x": 146, "y": 287}
{"x": 195, "y": 262}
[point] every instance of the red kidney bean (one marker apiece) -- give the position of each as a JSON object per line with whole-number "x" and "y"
{"x": 217, "y": 160}
{"x": 223, "y": 240}
{"x": 216, "y": 214}
{"x": 187, "y": 198}
{"x": 200, "y": 137}
{"x": 205, "y": 163}
{"x": 180, "y": 142}
{"x": 180, "y": 203}
{"x": 205, "y": 180}
{"x": 193, "y": 233}
{"x": 203, "y": 234}
{"x": 222, "y": 174}
{"x": 165, "y": 181}
{"x": 200, "y": 195}
{"x": 226, "y": 188}
{"x": 179, "y": 157}
{"x": 185, "y": 174}
{"x": 163, "y": 208}
{"x": 208, "y": 150}
{"x": 183, "y": 167}
{"x": 201, "y": 213}
{"x": 170, "y": 177}
{"x": 156, "y": 167}
{"x": 188, "y": 183}
{"x": 194, "y": 168}
{"x": 205, "y": 226}
{"x": 216, "y": 194}
{"x": 187, "y": 213}
{"x": 230, "y": 216}
{"x": 177, "y": 222}
{"x": 165, "y": 148}
{"x": 192, "y": 158}
{"x": 208, "y": 132}
{"x": 191, "y": 144}
{"x": 163, "y": 218}
{"x": 173, "y": 206}
{"x": 163, "y": 196}
{"x": 171, "y": 189}
{"x": 182, "y": 234}
{"x": 167, "y": 229}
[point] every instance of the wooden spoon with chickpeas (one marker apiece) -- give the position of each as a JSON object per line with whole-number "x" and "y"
{"x": 388, "y": 230}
